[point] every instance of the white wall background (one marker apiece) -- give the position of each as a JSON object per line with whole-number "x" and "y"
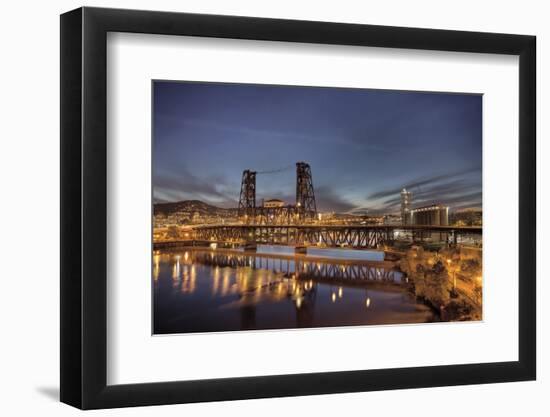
{"x": 29, "y": 175}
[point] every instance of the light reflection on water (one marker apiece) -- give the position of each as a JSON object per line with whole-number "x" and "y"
{"x": 367, "y": 255}
{"x": 207, "y": 291}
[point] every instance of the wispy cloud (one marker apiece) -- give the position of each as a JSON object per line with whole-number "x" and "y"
{"x": 358, "y": 141}
{"x": 186, "y": 186}
{"x": 423, "y": 181}
{"x": 459, "y": 188}
{"x": 327, "y": 199}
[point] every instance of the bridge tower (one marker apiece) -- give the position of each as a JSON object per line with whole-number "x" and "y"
{"x": 305, "y": 196}
{"x": 247, "y": 199}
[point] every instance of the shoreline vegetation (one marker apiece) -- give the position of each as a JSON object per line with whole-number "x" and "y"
{"x": 450, "y": 280}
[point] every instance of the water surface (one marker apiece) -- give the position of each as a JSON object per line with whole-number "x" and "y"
{"x": 212, "y": 291}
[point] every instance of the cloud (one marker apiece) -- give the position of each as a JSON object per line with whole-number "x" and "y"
{"x": 186, "y": 186}
{"x": 456, "y": 189}
{"x": 456, "y": 202}
{"x": 412, "y": 185}
{"x": 357, "y": 139}
{"x": 212, "y": 125}
{"x": 328, "y": 200}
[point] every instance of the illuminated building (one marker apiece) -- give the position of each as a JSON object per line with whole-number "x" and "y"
{"x": 406, "y": 201}
{"x": 274, "y": 203}
{"x": 433, "y": 215}
{"x": 466, "y": 217}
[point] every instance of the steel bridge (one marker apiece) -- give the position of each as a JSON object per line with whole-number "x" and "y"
{"x": 371, "y": 236}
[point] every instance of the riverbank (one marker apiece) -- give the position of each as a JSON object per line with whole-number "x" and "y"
{"x": 450, "y": 280}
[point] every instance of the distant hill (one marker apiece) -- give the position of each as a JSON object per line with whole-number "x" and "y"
{"x": 192, "y": 206}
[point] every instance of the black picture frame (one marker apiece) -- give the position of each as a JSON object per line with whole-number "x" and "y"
{"x": 84, "y": 207}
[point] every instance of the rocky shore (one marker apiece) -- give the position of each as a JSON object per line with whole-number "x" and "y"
{"x": 449, "y": 280}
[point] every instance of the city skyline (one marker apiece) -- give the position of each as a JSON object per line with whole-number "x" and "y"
{"x": 363, "y": 146}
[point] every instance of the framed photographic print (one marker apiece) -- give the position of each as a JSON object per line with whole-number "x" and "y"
{"x": 258, "y": 207}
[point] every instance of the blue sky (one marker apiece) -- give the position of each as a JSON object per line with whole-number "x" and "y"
{"x": 363, "y": 146}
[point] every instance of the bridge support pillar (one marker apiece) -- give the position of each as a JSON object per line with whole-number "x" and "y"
{"x": 300, "y": 249}
{"x": 250, "y": 247}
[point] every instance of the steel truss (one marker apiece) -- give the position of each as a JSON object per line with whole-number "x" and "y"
{"x": 317, "y": 235}
{"x": 290, "y": 235}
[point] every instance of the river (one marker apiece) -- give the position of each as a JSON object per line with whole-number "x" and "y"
{"x": 202, "y": 290}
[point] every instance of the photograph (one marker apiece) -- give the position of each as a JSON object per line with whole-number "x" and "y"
{"x": 292, "y": 207}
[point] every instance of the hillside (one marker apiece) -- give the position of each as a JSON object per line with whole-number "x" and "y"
{"x": 192, "y": 206}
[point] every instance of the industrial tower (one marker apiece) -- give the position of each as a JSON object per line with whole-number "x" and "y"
{"x": 406, "y": 203}
{"x": 247, "y": 199}
{"x": 305, "y": 196}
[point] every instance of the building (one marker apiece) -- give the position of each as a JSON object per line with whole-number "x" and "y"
{"x": 273, "y": 203}
{"x": 406, "y": 201}
{"x": 433, "y": 215}
{"x": 467, "y": 217}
